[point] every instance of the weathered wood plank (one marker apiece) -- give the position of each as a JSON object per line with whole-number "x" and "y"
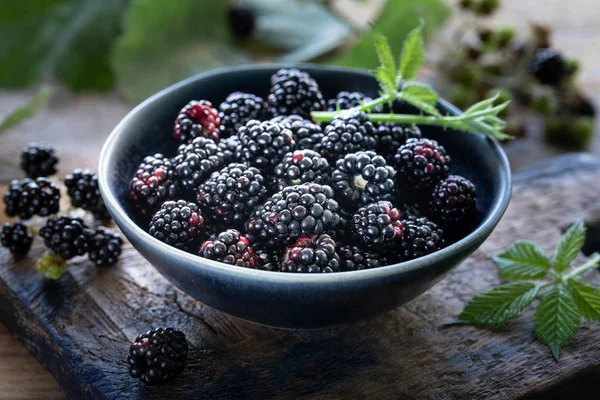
{"x": 80, "y": 327}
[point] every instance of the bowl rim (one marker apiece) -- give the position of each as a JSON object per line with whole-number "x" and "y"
{"x": 128, "y": 226}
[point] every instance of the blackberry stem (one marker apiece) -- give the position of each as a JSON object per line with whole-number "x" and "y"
{"x": 591, "y": 263}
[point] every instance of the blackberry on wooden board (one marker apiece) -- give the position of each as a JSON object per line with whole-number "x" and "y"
{"x": 237, "y": 109}
{"x": 347, "y": 134}
{"x": 242, "y": 20}
{"x": 177, "y": 223}
{"x": 197, "y": 160}
{"x": 230, "y": 247}
{"x": 378, "y": 225}
{"x": 39, "y": 160}
{"x": 157, "y": 355}
{"x": 453, "y": 202}
{"x": 311, "y": 254}
{"x": 66, "y": 236}
{"x": 154, "y": 182}
{"x": 301, "y": 166}
{"x": 548, "y": 66}
{"x": 105, "y": 247}
{"x": 355, "y": 258}
{"x": 82, "y": 187}
{"x": 28, "y": 197}
{"x": 197, "y": 119}
{"x": 16, "y": 238}
{"x": 420, "y": 237}
{"x": 307, "y": 134}
{"x": 263, "y": 144}
{"x": 294, "y": 92}
{"x": 52, "y": 265}
{"x": 421, "y": 163}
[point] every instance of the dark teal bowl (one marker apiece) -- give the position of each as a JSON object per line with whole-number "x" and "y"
{"x": 280, "y": 299}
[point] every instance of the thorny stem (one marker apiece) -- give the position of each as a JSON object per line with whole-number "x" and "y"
{"x": 591, "y": 263}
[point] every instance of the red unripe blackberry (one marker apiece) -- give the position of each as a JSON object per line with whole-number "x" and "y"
{"x": 157, "y": 355}
{"x": 154, "y": 182}
{"x": 421, "y": 163}
{"x": 354, "y": 258}
{"x": 197, "y": 119}
{"x": 311, "y": 254}
{"x": 237, "y": 110}
{"x": 453, "y": 202}
{"x": 307, "y": 134}
{"x": 347, "y": 134}
{"x": 301, "y": 166}
{"x": 105, "y": 247}
{"x": 230, "y": 247}
{"x": 16, "y": 238}
{"x": 263, "y": 144}
{"x": 28, "y": 197}
{"x": 197, "y": 160}
{"x": 66, "y": 236}
{"x": 420, "y": 237}
{"x": 177, "y": 223}
{"x": 378, "y": 225}
{"x": 294, "y": 92}
{"x": 39, "y": 160}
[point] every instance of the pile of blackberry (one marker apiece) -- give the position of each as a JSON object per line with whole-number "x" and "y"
{"x": 275, "y": 191}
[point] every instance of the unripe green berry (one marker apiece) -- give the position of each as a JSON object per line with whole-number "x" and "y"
{"x": 53, "y": 266}
{"x": 503, "y": 36}
{"x": 581, "y": 131}
{"x": 467, "y": 75}
{"x": 465, "y": 4}
{"x": 486, "y": 7}
{"x": 573, "y": 66}
{"x": 462, "y": 96}
{"x": 545, "y": 105}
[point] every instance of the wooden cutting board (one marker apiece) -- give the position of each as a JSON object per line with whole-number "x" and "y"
{"x": 80, "y": 327}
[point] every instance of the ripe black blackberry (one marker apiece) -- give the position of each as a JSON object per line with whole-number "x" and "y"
{"x": 198, "y": 159}
{"x": 197, "y": 119}
{"x": 420, "y": 237}
{"x": 28, "y": 197}
{"x": 242, "y": 20}
{"x": 307, "y": 134}
{"x": 295, "y": 211}
{"x": 294, "y": 92}
{"x": 311, "y": 254}
{"x": 346, "y": 100}
{"x": 453, "y": 202}
{"x": 347, "y": 134}
{"x": 548, "y": 66}
{"x": 230, "y": 247}
{"x": 177, "y": 223}
{"x": 378, "y": 225}
{"x": 232, "y": 193}
{"x": 228, "y": 146}
{"x": 157, "y": 355}
{"x": 237, "y": 110}
{"x": 154, "y": 181}
{"x": 354, "y": 258}
{"x": 268, "y": 260}
{"x": 391, "y": 136}
{"x": 16, "y": 238}
{"x": 362, "y": 178}
{"x": 301, "y": 166}
{"x": 82, "y": 187}
{"x": 66, "y": 236}
{"x": 39, "y": 160}
{"x": 421, "y": 163}
{"x": 263, "y": 144}
{"x": 105, "y": 247}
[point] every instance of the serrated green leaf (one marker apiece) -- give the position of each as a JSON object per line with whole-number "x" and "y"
{"x": 28, "y": 110}
{"x": 556, "y": 319}
{"x": 587, "y": 298}
{"x": 413, "y": 54}
{"x": 523, "y": 260}
{"x": 386, "y": 73}
{"x": 499, "y": 305}
{"x": 569, "y": 246}
{"x": 418, "y": 102}
{"x": 422, "y": 91}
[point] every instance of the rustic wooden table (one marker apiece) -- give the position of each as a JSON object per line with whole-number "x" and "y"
{"x": 91, "y": 118}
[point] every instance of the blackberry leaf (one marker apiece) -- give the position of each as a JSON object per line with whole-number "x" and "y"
{"x": 569, "y": 246}
{"x": 422, "y": 91}
{"x": 386, "y": 73}
{"x": 418, "y": 102}
{"x": 556, "y": 319}
{"x": 587, "y": 298}
{"x": 413, "y": 54}
{"x": 499, "y": 305}
{"x": 523, "y": 260}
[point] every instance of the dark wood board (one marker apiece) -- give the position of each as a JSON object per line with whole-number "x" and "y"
{"x": 80, "y": 327}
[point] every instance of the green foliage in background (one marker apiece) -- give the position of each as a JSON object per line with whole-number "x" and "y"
{"x": 26, "y": 111}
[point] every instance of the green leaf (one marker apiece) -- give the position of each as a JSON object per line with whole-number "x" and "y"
{"x": 569, "y": 246}
{"x": 556, "y": 319}
{"x": 418, "y": 102}
{"x": 499, "y": 305}
{"x": 395, "y": 21}
{"x": 587, "y": 298}
{"x": 423, "y": 91}
{"x": 386, "y": 73}
{"x": 413, "y": 54}
{"x": 69, "y": 40}
{"x": 22, "y": 113}
{"x": 523, "y": 260}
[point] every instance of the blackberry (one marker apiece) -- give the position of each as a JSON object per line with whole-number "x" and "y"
{"x": 294, "y": 92}
{"x": 422, "y": 163}
{"x": 177, "y": 223}
{"x": 16, "y": 238}
{"x": 453, "y": 202}
{"x": 39, "y": 160}
{"x": 301, "y": 166}
{"x": 378, "y": 225}
{"x": 197, "y": 119}
{"x": 347, "y": 134}
{"x": 154, "y": 182}
{"x": 82, "y": 187}
{"x": 295, "y": 211}
{"x": 311, "y": 254}
{"x": 346, "y": 100}
{"x": 28, "y": 197}
{"x": 66, "y": 236}
{"x": 268, "y": 260}
{"x": 157, "y": 355}
{"x": 307, "y": 134}
{"x": 548, "y": 66}
{"x": 242, "y": 20}
{"x": 391, "y": 136}
{"x": 420, "y": 237}
{"x": 230, "y": 247}
{"x": 362, "y": 178}
{"x": 263, "y": 144}
{"x": 228, "y": 146}
{"x": 354, "y": 258}
{"x": 51, "y": 265}
{"x": 237, "y": 110}
{"x": 232, "y": 193}
{"x": 105, "y": 247}
{"x": 198, "y": 159}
